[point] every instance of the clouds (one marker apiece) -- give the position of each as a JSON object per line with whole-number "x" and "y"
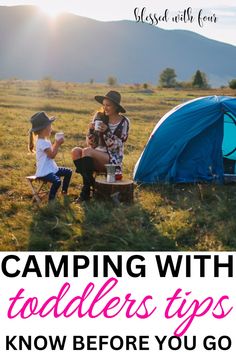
{"x": 228, "y": 13}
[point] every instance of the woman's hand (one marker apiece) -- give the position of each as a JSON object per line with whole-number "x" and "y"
{"x": 90, "y": 140}
{"x": 91, "y": 125}
{"x": 102, "y": 127}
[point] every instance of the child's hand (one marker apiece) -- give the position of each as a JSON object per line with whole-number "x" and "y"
{"x": 59, "y": 141}
{"x": 52, "y": 152}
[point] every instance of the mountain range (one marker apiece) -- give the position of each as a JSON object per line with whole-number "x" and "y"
{"x": 74, "y": 48}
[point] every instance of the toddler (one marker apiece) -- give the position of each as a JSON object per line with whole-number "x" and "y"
{"x": 47, "y": 169}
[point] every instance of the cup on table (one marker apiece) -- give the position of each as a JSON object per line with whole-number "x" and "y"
{"x": 97, "y": 124}
{"x": 59, "y": 135}
{"x": 111, "y": 169}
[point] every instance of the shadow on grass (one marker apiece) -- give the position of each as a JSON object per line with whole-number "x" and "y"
{"x": 95, "y": 226}
{"x": 206, "y": 214}
{"x": 162, "y": 218}
{"x": 108, "y": 227}
{"x": 51, "y": 226}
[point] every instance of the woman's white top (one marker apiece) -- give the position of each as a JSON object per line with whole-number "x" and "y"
{"x": 113, "y": 126}
{"x": 44, "y": 164}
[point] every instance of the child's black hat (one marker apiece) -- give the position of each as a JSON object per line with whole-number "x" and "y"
{"x": 39, "y": 121}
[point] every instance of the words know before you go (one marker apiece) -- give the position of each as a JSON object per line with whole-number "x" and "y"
{"x": 118, "y": 265}
{"x": 116, "y": 343}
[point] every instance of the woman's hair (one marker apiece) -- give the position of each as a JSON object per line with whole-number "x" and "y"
{"x": 101, "y": 115}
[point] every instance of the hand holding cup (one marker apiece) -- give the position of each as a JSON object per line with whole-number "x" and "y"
{"x": 59, "y": 137}
{"x": 100, "y": 126}
{"x": 97, "y": 125}
{"x": 91, "y": 126}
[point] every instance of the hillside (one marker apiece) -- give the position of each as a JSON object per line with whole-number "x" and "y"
{"x": 73, "y": 48}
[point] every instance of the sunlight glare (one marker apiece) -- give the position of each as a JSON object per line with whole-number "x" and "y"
{"x": 51, "y": 8}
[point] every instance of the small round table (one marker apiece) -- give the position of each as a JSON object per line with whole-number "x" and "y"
{"x": 118, "y": 191}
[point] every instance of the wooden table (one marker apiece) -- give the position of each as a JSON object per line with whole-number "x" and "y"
{"x": 118, "y": 191}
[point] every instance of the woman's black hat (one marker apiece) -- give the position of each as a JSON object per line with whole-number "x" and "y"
{"x": 113, "y": 96}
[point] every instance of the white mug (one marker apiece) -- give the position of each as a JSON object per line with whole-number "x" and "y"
{"x": 59, "y": 135}
{"x": 97, "y": 124}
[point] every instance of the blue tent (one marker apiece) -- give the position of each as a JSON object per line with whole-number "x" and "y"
{"x": 189, "y": 142}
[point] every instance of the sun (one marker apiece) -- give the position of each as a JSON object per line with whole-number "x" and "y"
{"x": 51, "y": 8}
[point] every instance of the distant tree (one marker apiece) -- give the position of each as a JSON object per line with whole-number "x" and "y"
{"x": 91, "y": 81}
{"x": 112, "y": 80}
{"x": 200, "y": 80}
{"x": 167, "y": 78}
{"x": 232, "y": 84}
{"x": 47, "y": 84}
{"x": 145, "y": 85}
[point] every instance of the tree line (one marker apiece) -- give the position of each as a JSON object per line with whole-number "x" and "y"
{"x": 168, "y": 77}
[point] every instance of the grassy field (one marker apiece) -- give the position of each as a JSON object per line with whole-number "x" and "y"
{"x": 187, "y": 217}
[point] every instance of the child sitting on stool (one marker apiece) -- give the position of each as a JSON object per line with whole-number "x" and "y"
{"x": 47, "y": 169}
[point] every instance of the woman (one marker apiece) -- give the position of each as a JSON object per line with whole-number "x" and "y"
{"x": 105, "y": 144}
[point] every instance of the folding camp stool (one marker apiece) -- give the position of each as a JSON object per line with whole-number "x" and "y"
{"x": 37, "y": 186}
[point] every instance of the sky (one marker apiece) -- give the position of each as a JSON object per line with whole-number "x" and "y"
{"x": 215, "y": 19}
